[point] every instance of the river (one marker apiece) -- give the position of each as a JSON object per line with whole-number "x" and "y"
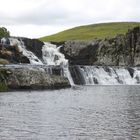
{"x": 81, "y": 113}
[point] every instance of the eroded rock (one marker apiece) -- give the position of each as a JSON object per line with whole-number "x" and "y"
{"x": 29, "y": 77}
{"x": 122, "y": 50}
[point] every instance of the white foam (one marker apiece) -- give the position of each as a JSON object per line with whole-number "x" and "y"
{"x": 53, "y": 56}
{"x": 113, "y": 76}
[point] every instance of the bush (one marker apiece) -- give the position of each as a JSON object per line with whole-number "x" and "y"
{"x": 4, "y": 32}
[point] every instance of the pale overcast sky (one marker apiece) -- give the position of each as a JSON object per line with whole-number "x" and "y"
{"x": 36, "y": 18}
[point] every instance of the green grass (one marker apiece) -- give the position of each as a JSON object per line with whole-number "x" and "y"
{"x": 89, "y": 32}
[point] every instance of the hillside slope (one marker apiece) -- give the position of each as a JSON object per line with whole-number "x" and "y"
{"x": 89, "y": 32}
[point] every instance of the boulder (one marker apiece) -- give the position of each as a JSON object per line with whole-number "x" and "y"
{"x": 3, "y": 61}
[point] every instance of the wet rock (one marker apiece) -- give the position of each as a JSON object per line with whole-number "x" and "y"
{"x": 4, "y": 61}
{"x": 19, "y": 77}
{"x": 12, "y": 54}
{"x": 77, "y": 75}
{"x": 34, "y": 45}
{"x": 131, "y": 71}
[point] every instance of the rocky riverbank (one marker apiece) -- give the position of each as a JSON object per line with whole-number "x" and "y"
{"x": 32, "y": 77}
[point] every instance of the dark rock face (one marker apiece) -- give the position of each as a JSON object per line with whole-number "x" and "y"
{"x": 123, "y": 50}
{"x": 34, "y": 45}
{"x": 80, "y": 52}
{"x": 57, "y": 43}
{"x": 12, "y": 54}
{"x": 77, "y": 75}
{"x": 28, "y": 77}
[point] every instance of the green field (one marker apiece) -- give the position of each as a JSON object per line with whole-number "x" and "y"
{"x": 93, "y": 31}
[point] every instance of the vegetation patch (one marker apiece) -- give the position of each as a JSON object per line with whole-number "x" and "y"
{"x": 3, "y": 78}
{"x": 4, "y": 32}
{"x": 3, "y": 87}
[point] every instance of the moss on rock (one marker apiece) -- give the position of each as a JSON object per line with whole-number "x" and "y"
{"x": 3, "y": 87}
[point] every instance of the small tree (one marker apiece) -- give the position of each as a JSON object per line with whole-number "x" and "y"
{"x": 4, "y": 32}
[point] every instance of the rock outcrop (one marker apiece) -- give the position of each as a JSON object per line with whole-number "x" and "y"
{"x": 81, "y": 52}
{"x": 34, "y": 45}
{"x": 12, "y": 53}
{"x": 122, "y": 50}
{"x": 31, "y": 77}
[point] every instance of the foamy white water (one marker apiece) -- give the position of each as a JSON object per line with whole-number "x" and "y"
{"x": 53, "y": 56}
{"x": 109, "y": 75}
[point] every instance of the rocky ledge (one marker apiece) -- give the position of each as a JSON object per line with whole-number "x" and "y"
{"x": 122, "y": 50}
{"x": 32, "y": 77}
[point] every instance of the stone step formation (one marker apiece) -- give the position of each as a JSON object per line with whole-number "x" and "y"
{"x": 107, "y": 61}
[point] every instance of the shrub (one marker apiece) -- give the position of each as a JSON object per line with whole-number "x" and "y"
{"x": 4, "y": 32}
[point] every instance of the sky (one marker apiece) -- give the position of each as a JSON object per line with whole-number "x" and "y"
{"x": 37, "y": 18}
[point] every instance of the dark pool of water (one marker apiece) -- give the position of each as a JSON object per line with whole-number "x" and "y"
{"x": 84, "y": 113}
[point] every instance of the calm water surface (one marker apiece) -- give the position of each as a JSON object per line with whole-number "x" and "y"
{"x": 84, "y": 113}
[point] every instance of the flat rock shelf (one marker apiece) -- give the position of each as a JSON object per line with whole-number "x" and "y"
{"x": 33, "y": 77}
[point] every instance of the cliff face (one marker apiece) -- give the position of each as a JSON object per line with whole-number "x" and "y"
{"x": 122, "y": 50}
{"x": 29, "y": 77}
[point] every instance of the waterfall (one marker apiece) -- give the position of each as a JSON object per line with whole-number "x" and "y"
{"x": 34, "y": 60}
{"x": 53, "y": 56}
{"x": 22, "y": 48}
{"x": 105, "y": 75}
{"x": 80, "y": 75}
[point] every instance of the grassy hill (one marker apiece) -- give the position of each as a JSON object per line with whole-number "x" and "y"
{"x": 89, "y": 32}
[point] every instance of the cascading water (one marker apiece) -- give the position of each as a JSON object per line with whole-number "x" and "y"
{"x": 34, "y": 60}
{"x": 92, "y": 75}
{"x": 52, "y": 56}
{"x": 85, "y": 75}
{"x": 22, "y": 48}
